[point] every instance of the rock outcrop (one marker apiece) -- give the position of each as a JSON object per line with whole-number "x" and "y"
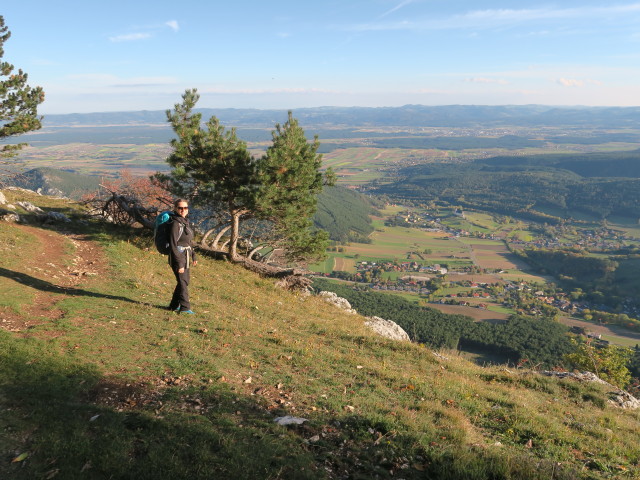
{"x": 55, "y": 217}
{"x": 30, "y": 207}
{"x": 382, "y": 327}
{"x": 617, "y": 397}
{"x": 339, "y": 302}
{"x": 387, "y": 328}
{"x": 11, "y": 217}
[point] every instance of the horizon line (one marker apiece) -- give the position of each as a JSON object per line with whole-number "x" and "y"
{"x": 577, "y": 106}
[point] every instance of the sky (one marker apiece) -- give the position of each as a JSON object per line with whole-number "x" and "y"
{"x": 95, "y": 56}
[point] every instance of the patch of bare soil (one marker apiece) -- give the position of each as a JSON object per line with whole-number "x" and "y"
{"x": 478, "y": 314}
{"x": 123, "y": 396}
{"x": 53, "y": 269}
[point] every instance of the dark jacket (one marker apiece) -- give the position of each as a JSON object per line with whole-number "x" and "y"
{"x": 181, "y": 237}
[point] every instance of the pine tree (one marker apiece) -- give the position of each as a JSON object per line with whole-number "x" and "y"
{"x": 211, "y": 166}
{"x": 277, "y": 192}
{"x": 18, "y": 101}
{"x": 290, "y": 180}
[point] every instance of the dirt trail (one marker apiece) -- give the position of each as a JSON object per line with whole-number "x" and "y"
{"x": 53, "y": 267}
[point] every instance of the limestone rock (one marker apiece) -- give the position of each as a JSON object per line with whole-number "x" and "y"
{"x": 56, "y": 217}
{"x": 343, "y": 303}
{"x": 30, "y": 207}
{"x": 3, "y": 199}
{"x": 51, "y": 192}
{"x": 7, "y": 216}
{"x": 387, "y": 328}
{"x": 289, "y": 420}
{"x": 581, "y": 376}
{"x": 623, "y": 399}
{"x": 617, "y": 397}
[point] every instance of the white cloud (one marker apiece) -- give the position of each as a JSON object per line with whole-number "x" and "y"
{"x": 510, "y": 16}
{"x": 404, "y": 3}
{"x": 492, "y": 18}
{"x": 570, "y": 82}
{"x": 130, "y": 37}
{"x": 486, "y": 80}
{"x": 261, "y": 91}
{"x": 145, "y": 32}
{"x": 145, "y": 82}
{"x": 106, "y": 81}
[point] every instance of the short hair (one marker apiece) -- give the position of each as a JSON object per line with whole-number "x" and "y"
{"x": 180, "y": 200}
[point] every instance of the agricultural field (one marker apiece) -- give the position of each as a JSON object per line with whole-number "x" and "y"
{"x": 630, "y": 226}
{"x": 613, "y": 333}
{"x": 478, "y": 314}
{"x": 397, "y": 243}
{"x": 94, "y": 159}
{"x": 401, "y": 244}
{"x": 360, "y": 165}
{"x": 460, "y": 223}
{"x": 344, "y": 264}
{"x": 494, "y": 255}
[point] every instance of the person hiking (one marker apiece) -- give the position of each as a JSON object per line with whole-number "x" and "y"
{"x": 181, "y": 256}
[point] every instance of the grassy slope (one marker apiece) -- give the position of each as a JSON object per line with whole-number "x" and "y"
{"x": 115, "y": 387}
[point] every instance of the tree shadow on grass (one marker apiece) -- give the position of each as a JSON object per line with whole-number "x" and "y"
{"x": 72, "y": 423}
{"x": 63, "y": 416}
{"x": 49, "y": 287}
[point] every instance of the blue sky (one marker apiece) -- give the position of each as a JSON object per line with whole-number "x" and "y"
{"x": 134, "y": 55}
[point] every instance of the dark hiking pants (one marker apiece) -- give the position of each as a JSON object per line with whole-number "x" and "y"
{"x": 181, "y": 292}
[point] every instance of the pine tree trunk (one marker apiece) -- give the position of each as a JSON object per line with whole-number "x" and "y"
{"x": 235, "y": 233}
{"x": 214, "y": 244}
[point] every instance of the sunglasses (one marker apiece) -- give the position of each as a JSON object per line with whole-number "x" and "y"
{"x": 182, "y": 208}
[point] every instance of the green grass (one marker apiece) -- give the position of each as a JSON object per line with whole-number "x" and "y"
{"x": 325, "y": 266}
{"x": 622, "y": 341}
{"x": 499, "y": 308}
{"x": 118, "y": 387}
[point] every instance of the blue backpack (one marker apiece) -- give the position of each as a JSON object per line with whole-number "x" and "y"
{"x": 162, "y": 231}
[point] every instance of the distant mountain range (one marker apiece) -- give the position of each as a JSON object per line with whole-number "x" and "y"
{"x": 406, "y": 116}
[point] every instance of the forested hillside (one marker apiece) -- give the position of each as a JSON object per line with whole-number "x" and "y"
{"x": 610, "y": 164}
{"x": 344, "y": 214}
{"x": 604, "y": 280}
{"x": 599, "y": 184}
{"x": 540, "y": 341}
{"x": 53, "y": 181}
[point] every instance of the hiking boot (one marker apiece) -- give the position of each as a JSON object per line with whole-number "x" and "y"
{"x": 190, "y": 312}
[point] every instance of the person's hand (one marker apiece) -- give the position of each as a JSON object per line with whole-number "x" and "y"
{"x": 181, "y": 270}
{"x": 195, "y": 262}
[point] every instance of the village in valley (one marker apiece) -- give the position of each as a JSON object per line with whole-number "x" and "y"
{"x": 466, "y": 275}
